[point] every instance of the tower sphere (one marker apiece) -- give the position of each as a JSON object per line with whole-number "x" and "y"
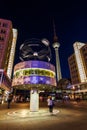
{"x": 56, "y": 45}
{"x": 35, "y": 49}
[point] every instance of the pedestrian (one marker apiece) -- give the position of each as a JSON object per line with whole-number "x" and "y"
{"x": 50, "y": 104}
{"x": 9, "y": 100}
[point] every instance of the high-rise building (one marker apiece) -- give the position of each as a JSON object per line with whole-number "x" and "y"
{"x": 8, "y": 37}
{"x": 12, "y": 54}
{"x": 73, "y": 69}
{"x": 78, "y": 63}
{"x": 78, "y": 70}
{"x": 84, "y": 58}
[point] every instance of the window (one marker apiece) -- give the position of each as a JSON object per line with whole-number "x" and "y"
{"x": 3, "y": 31}
{"x": 5, "y": 25}
{"x": 1, "y": 38}
{"x": 0, "y": 47}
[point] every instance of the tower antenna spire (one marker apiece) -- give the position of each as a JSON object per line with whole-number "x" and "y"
{"x": 56, "y": 46}
{"x": 55, "y": 38}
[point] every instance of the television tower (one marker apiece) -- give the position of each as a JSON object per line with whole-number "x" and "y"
{"x": 56, "y": 46}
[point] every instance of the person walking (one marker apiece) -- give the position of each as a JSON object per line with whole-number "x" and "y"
{"x": 50, "y": 104}
{"x": 9, "y": 100}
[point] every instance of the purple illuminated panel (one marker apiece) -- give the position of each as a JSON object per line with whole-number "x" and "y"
{"x": 34, "y": 64}
{"x": 34, "y": 79}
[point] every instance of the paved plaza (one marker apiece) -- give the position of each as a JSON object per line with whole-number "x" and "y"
{"x": 68, "y": 115}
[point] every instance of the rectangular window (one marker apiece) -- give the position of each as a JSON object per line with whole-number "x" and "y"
{"x": 1, "y": 46}
{"x": 1, "y": 38}
{"x": 5, "y": 25}
{"x": 3, "y": 31}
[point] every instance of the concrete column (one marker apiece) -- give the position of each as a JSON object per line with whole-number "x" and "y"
{"x": 34, "y": 100}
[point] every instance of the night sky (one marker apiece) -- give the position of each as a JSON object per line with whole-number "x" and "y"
{"x": 34, "y": 19}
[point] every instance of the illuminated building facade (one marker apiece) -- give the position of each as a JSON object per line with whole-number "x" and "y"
{"x": 78, "y": 63}
{"x": 78, "y": 69}
{"x": 12, "y": 54}
{"x": 73, "y": 69}
{"x": 8, "y": 37}
{"x": 84, "y": 57}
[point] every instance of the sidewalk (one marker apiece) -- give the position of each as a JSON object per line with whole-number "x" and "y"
{"x": 18, "y": 117}
{"x": 21, "y": 110}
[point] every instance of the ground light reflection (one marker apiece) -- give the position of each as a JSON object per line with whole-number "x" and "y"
{"x": 27, "y": 113}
